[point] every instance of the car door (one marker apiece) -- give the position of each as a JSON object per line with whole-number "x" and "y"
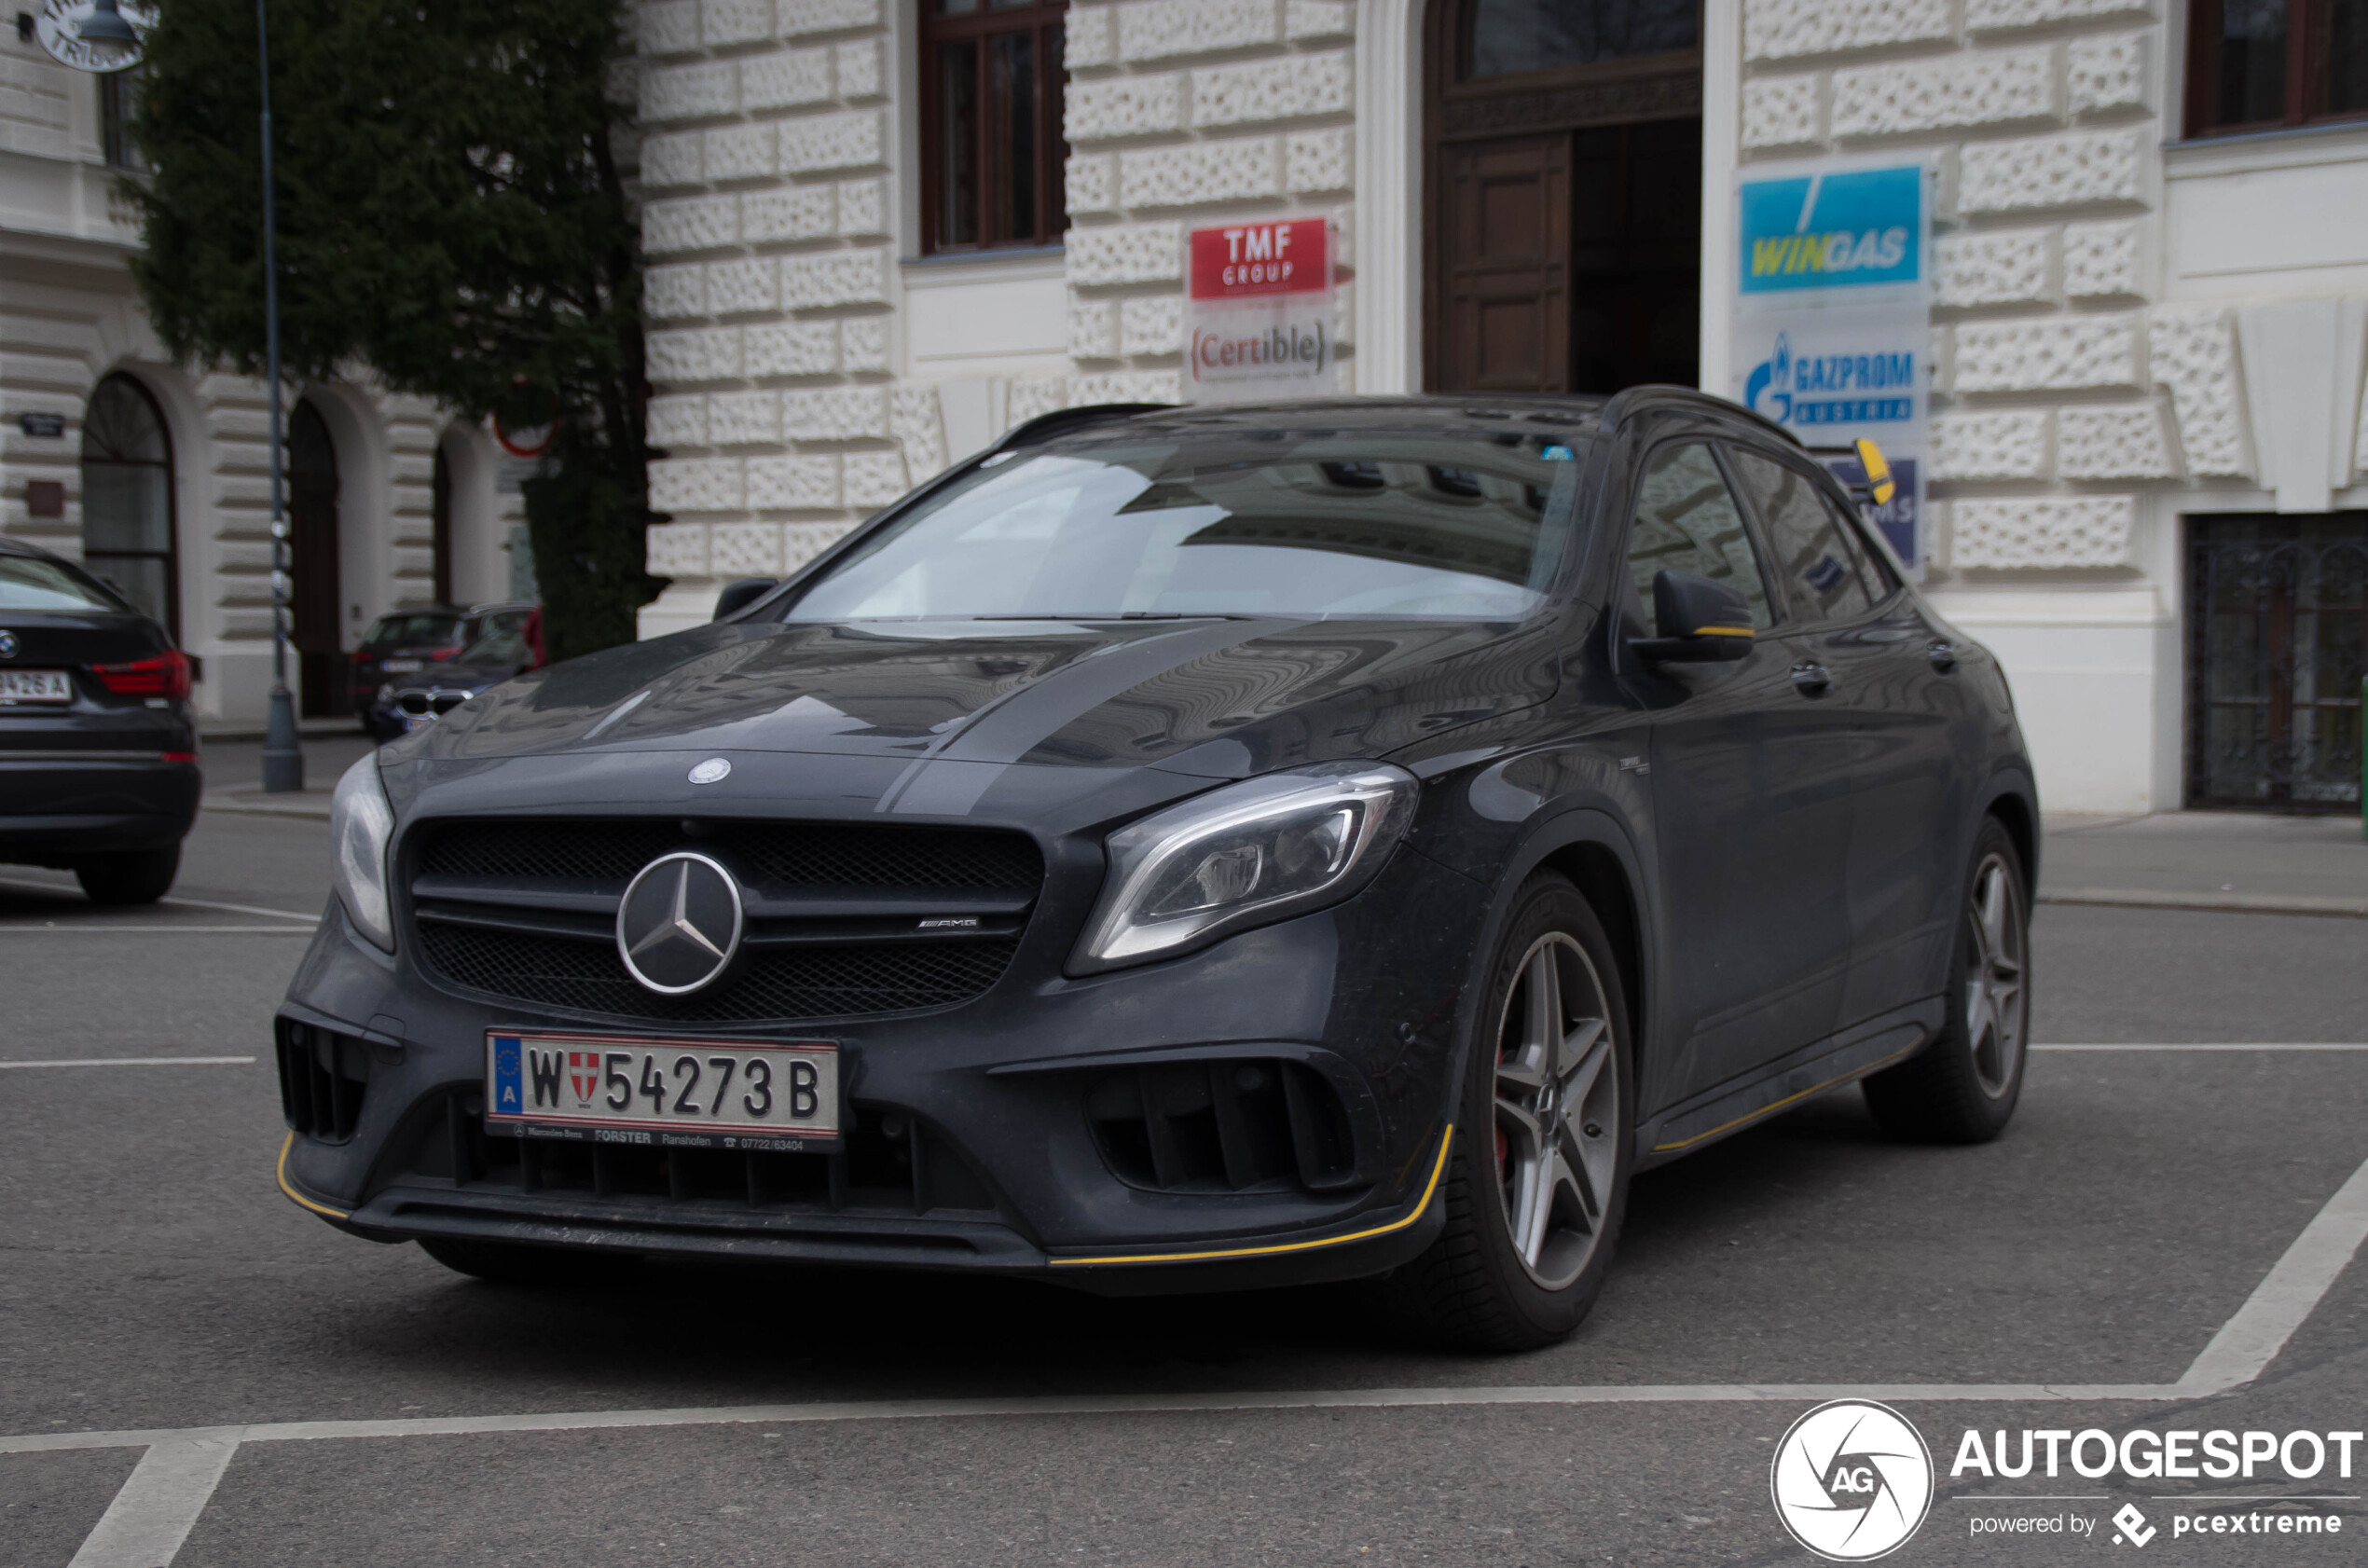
{"x": 1890, "y": 675}
{"x": 1750, "y": 775}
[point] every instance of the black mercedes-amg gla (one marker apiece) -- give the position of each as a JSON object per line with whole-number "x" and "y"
{"x": 1191, "y": 849}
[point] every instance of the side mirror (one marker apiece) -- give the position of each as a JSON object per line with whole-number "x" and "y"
{"x": 741, "y": 592}
{"x": 1698, "y": 621}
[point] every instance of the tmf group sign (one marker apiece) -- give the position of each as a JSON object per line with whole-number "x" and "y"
{"x": 1833, "y": 317}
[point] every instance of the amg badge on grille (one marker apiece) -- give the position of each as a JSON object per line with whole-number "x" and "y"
{"x": 679, "y": 927}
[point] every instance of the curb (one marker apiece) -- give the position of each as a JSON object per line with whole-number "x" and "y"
{"x": 304, "y": 809}
{"x": 2241, "y": 903}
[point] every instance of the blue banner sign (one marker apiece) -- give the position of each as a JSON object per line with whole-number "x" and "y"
{"x": 1842, "y": 230}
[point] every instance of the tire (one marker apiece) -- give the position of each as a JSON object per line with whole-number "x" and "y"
{"x": 1476, "y": 1287}
{"x": 1962, "y": 1088}
{"x": 517, "y": 1264}
{"x": 129, "y": 876}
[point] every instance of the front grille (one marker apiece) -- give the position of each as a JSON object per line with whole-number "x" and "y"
{"x": 890, "y": 1163}
{"x": 527, "y": 911}
{"x": 323, "y": 1077}
{"x": 797, "y": 854}
{"x": 1224, "y": 1125}
{"x": 775, "y": 982}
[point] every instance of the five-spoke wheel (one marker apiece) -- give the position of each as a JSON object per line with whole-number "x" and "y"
{"x": 1557, "y": 1110}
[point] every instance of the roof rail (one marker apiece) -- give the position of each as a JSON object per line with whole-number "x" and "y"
{"x": 1044, "y": 427}
{"x": 1633, "y": 400}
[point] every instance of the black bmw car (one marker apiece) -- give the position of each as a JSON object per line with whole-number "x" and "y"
{"x": 98, "y": 746}
{"x": 404, "y": 702}
{"x": 1191, "y": 849}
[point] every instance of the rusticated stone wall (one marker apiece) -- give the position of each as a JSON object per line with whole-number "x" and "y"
{"x": 2063, "y": 393}
{"x": 1184, "y": 113}
{"x": 767, "y": 168}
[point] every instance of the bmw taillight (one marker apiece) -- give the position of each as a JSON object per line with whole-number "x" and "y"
{"x": 442, "y": 653}
{"x": 167, "y": 675}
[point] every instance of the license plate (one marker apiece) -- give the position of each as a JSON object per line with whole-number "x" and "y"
{"x": 699, "y": 1093}
{"x": 35, "y": 685}
{"x": 401, "y": 667}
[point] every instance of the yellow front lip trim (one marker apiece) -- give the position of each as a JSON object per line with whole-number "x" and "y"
{"x": 282, "y": 1173}
{"x": 1780, "y": 1105}
{"x": 1439, "y": 1168}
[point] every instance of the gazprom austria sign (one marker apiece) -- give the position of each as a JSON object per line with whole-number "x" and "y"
{"x": 1832, "y": 320}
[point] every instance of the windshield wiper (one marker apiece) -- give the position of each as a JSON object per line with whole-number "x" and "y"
{"x": 1126, "y": 615}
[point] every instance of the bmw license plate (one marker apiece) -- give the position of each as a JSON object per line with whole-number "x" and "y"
{"x": 35, "y": 685}
{"x": 400, "y": 667}
{"x": 697, "y": 1094}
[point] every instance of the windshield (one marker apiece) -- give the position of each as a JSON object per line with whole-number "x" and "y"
{"x": 413, "y": 627}
{"x": 1411, "y": 526}
{"x": 495, "y": 648}
{"x": 30, "y": 583}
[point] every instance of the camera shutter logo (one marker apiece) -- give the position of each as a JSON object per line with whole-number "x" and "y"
{"x": 1851, "y": 1480}
{"x": 679, "y": 924}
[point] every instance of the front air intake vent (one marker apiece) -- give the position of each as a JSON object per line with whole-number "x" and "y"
{"x": 323, "y": 1076}
{"x": 1227, "y": 1126}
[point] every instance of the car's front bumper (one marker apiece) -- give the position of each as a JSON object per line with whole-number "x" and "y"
{"x": 972, "y": 1143}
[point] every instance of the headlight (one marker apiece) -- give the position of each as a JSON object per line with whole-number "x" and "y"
{"x": 360, "y": 824}
{"x": 1263, "y": 849}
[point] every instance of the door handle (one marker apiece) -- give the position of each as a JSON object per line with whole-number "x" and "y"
{"x": 1811, "y": 677}
{"x": 1943, "y": 656}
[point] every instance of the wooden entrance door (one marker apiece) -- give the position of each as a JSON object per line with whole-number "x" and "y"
{"x": 1564, "y": 252}
{"x": 316, "y": 616}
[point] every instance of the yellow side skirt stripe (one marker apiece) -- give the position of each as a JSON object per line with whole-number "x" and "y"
{"x": 1780, "y": 1105}
{"x": 317, "y": 1208}
{"x": 1439, "y": 1169}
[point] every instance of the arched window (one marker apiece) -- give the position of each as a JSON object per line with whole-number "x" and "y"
{"x": 127, "y": 499}
{"x": 1512, "y": 37}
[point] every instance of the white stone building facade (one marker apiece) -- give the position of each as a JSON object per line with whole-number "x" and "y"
{"x": 70, "y": 320}
{"x": 2135, "y": 328}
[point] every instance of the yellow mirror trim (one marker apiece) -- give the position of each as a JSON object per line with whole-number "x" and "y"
{"x": 1879, "y": 480}
{"x": 1723, "y": 631}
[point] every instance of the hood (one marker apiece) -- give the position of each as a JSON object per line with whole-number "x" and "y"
{"x": 1219, "y": 698}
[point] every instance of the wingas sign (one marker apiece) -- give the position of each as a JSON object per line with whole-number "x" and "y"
{"x": 1850, "y": 230}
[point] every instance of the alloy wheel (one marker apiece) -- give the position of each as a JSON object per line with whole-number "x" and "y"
{"x": 1997, "y": 1004}
{"x": 1557, "y": 1093}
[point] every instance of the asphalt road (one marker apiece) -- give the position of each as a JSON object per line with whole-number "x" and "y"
{"x": 154, "y": 1278}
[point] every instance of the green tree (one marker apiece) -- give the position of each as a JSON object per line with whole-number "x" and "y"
{"x": 450, "y": 217}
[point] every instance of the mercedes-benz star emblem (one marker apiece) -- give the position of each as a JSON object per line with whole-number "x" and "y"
{"x": 711, "y": 771}
{"x": 8, "y": 645}
{"x": 679, "y": 924}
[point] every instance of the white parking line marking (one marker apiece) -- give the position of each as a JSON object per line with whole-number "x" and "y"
{"x": 154, "y": 1510}
{"x": 182, "y": 903}
{"x": 2277, "y": 1306}
{"x": 145, "y": 1526}
{"x": 2321, "y": 1045}
{"x": 138, "y": 1062}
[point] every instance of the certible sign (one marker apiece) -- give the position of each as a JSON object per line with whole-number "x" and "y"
{"x": 35, "y": 685}
{"x": 1258, "y": 316}
{"x": 700, "y": 1093}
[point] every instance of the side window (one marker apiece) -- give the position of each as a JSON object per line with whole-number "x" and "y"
{"x": 1825, "y": 568}
{"x": 1687, "y": 520}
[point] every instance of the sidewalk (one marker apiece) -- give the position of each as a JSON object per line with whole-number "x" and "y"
{"x": 2208, "y": 860}
{"x": 234, "y": 775}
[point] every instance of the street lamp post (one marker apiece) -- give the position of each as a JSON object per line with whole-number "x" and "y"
{"x": 283, "y": 754}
